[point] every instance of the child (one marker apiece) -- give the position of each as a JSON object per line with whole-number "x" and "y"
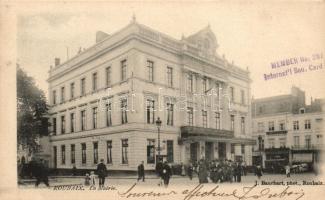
{"x": 92, "y": 178}
{"x": 287, "y": 168}
{"x": 87, "y": 180}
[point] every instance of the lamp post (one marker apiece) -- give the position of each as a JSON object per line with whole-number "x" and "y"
{"x": 158, "y": 124}
{"x": 260, "y": 149}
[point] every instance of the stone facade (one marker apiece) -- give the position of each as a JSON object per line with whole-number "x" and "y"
{"x": 290, "y": 125}
{"x": 150, "y": 72}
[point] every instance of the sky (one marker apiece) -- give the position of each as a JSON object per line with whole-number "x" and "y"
{"x": 250, "y": 35}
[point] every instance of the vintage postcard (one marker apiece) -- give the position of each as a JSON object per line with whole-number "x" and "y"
{"x": 158, "y": 100}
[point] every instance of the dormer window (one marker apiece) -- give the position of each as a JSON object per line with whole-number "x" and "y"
{"x": 206, "y": 43}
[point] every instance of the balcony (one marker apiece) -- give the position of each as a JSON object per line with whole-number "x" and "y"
{"x": 283, "y": 132}
{"x": 187, "y": 131}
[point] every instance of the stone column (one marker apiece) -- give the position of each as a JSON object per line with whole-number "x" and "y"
{"x": 215, "y": 149}
{"x": 228, "y": 150}
{"x": 201, "y": 149}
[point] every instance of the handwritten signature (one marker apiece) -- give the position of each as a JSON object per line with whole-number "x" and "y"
{"x": 250, "y": 192}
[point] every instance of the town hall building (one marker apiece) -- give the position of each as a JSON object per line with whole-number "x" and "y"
{"x": 105, "y": 102}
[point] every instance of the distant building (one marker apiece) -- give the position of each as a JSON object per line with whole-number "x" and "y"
{"x": 286, "y": 130}
{"x": 105, "y": 102}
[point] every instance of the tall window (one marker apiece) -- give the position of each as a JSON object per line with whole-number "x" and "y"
{"x": 83, "y": 87}
{"x": 71, "y": 90}
{"x": 296, "y": 141}
{"x": 94, "y": 81}
{"x": 261, "y": 144}
{"x": 150, "y": 111}
{"x": 242, "y": 149}
{"x": 125, "y": 146}
{"x": 62, "y": 94}
{"x": 242, "y": 94}
{"x": 95, "y": 117}
{"x": 150, "y": 70}
{"x": 271, "y": 143}
{"x": 123, "y": 70}
{"x": 54, "y": 97}
{"x": 109, "y": 151}
{"x": 83, "y": 120}
{"x": 150, "y": 151}
{"x": 189, "y": 82}
{"x": 54, "y": 125}
{"x": 108, "y": 114}
{"x": 124, "y": 107}
{"x": 307, "y": 124}
{"x": 282, "y": 142}
{"x": 108, "y": 76}
{"x": 218, "y": 120}
{"x": 190, "y": 116}
{"x": 307, "y": 141}
{"x": 170, "y": 151}
{"x": 72, "y": 122}
{"x": 83, "y": 153}
{"x": 232, "y": 148}
{"x": 170, "y": 114}
{"x": 295, "y": 125}
{"x": 62, "y": 124}
{"x": 170, "y": 76}
{"x": 73, "y": 154}
{"x": 232, "y": 122}
{"x": 260, "y": 127}
{"x": 204, "y": 85}
{"x": 95, "y": 150}
{"x": 232, "y": 94}
{"x": 271, "y": 126}
{"x": 204, "y": 118}
{"x": 242, "y": 125}
{"x": 281, "y": 125}
{"x": 63, "y": 154}
{"x": 218, "y": 90}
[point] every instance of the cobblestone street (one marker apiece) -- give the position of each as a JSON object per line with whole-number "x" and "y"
{"x": 174, "y": 181}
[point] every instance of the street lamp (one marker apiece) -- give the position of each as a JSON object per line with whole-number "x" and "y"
{"x": 158, "y": 124}
{"x": 260, "y": 149}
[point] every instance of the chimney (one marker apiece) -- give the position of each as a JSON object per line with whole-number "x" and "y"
{"x": 100, "y": 36}
{"x": 56, "y": 62}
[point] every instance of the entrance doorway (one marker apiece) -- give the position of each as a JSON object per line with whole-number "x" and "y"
{"x": 209, "y": 151}
{"x": 222, "y": 150}
{"x": 193, "y": 151}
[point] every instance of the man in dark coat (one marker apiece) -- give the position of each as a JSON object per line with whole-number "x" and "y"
{"x": 238, "y": 171}
{"x": 190, "y": 171}
{"x": 166, "y": 173}
{"x": 74, "y": 170}
{"x": 141, "y": 172}
{"x": 101, "y": 172}
{"x": 258, "y": 172}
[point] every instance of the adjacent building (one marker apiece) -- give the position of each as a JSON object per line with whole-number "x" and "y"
{"x": 106, "y": 100}
{"x": 286, "y": 130}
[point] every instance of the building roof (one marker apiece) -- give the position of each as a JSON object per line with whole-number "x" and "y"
{"x": 134, "y": 28}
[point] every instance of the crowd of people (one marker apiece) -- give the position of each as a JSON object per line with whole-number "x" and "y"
{"x": 217, "y": 171}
